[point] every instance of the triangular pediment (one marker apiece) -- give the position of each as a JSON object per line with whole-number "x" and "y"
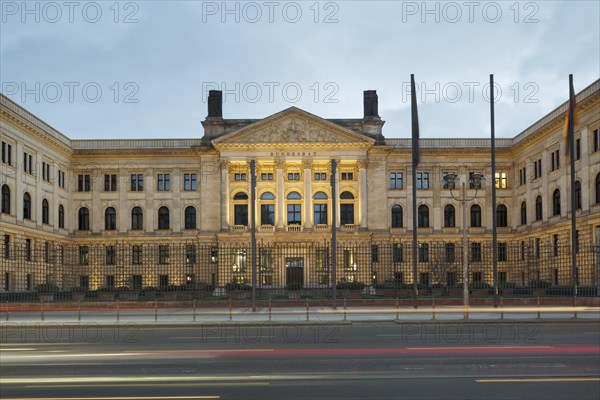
{"x": 293, "y": 126}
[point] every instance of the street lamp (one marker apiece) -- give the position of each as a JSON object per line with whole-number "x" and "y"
{"x": 475, "y": 178}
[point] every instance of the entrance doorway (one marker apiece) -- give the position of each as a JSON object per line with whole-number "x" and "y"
{"x": 294, "y": 271}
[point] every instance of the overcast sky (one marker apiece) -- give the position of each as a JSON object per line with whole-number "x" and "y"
{"x": 142, "y": 69}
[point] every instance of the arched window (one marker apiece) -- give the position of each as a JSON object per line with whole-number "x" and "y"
{"x": 538, "y": 208}
{"x": 523, "y": 213}
{"x": 501, "y": 216}
{"x": 578, "y": 195}
{"x": 110, "y": 219}
{"x": 475, "y": 215}
{"x": 45, "y": 212}
{"x": 26, "y": 206}
{"x": 137, "y": 218}
{"x": 163, "y": 218}
{"x": 397, "y": 219}
{"x": 294, "y": 209}
{"x": 320, "y": 208}
{"x": 556, "y": 202}
{"x": 347, "y": 208}
{"x": 240, "y": 209}
{"x": 190, "y": 218}
{"x": 449, "y": 216}
{"x": 6, "y": 199}
{"x": 84, "y": 219}
{"x": 61, "y": 216}
{"x": 423, "y": 216}
{"x": 598, "y": 188}
{"x": 267, "y": 208}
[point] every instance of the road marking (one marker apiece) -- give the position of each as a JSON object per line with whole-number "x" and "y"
{"x": 225, "y": 336}
{"x": 124, "y": 398}
{"x": 478, "y": 347}
{"x": 17, "y": 349}
{"x": 555, "y": 379}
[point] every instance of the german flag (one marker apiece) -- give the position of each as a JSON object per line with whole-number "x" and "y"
{"x": 570, "y": 120}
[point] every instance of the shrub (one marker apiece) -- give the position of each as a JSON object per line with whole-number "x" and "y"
{"x": 234, "y": 286}
{"x": 106, "y": 289}
{"x": 350, "y": 286}
{"x": 538, "y": 283}
{"x": 480, "y": 285}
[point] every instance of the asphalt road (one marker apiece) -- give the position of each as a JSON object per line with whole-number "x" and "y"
{"x": 526, "y": 360}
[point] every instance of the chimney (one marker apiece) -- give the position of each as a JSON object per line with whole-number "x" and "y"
{"x": 215, "y": 104}
{"x": 370, "y": 104}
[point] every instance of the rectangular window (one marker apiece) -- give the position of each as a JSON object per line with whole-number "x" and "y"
{"x": 424, "y": 279}
{"x": 240, "y": 216}
{"x": 347, "y": 176}
{"x": 84, "y": 255}
{"x": 110, "y": 255}
{"x": 110, "y": 183}
{"x": 423, "y": 252}
{"x": 84, "y": 282}
{"x": 374, "y": 253}
{"x": 422, "y": 180}
{"x": 523, "y": 176}
{"x": 578, "y": 149}
{"x": 450, "y": 252}
{"x": 537, "y": 169}
{"x": 136, "y": 255}
{"x": 267, "y": 214}
{"x": 190, "y": 254}
{"x": 239, "y": 177}
{"x": 27, "y": 163}
{"x": 266, "y": 260}
{"x": 555, "y": 245}
{"x": 397, "y": 252}
{"x": 6, "y": 247}
{"x": 320, "y": 214}
{"x": 502, "y": 252}
{"x": 61, "y": 179}
{"x": 293, "y": 176}
{"x": 83, "y": 183}
{"x": 6, "y": 153}
{"x": 396, "y": 180}
{"x": 538, "y": 250}
{"x": 476, "y": 252}
{"x": 294, "y": 215}
{"x": 555, "y": 160}
{"x": 45, "y": 171}
{"x": 321, "y": 260}
{"x": 137, "y": 182}
{"x": 477, "y": 276}
{"x": 163, "y": 254}
{"x": 266, "y": 176}
{"x": 501, "y": 180}
{"x": 27, "y": 249}
{"x": 596, "y": 140}
{"x": 164, "y": 182}
{"x": 350, "y": 260}
{"x": 189, "y": 182}
{"x": 320, "y": 176}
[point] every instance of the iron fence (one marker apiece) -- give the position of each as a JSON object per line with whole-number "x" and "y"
{"x": 201, "y": 270}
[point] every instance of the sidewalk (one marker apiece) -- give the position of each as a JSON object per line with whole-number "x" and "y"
{"x": 286, "y": 315}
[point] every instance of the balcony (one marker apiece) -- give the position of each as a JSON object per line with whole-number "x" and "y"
{"x": 294, "y": 228}
{"x": 239, "y": 228}
{"x": 349, "y": 228}
{"x": 266, "y": 228}
{"x": 322, "y": 228}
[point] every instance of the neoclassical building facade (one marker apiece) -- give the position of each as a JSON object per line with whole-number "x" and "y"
{"x": 167, "y": 211}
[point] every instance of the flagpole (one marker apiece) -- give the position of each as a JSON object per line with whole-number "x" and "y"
{"x": 571, "y": 138}
{"x": 494, "y": 211}
{"x": 415, "y": 162}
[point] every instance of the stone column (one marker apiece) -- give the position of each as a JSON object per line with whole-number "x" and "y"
{"x": 224, "y": 165}
{"x": 307, "y": 218}
{"x": 363, "y": 192}
{"x": 280, "y": 214}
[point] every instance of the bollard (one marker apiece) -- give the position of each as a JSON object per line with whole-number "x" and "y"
{"x": 466, "y": 313}
{"x": 230, "y": 315}
{"x": 538, "y": 308}
{"x": 155, "y": 311}
{"x": 118, "y": 310}
{"x": 79, "y": 310}
{"x": 433, "y": 308}
{"x": 269, "y": 308}
{"x": 194, "y": 306}
{"x": 397, "y": 309}
{"x": 344, "y": 309}
{"x": 307, "y": 315}
{"x": 501, "y": 307}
